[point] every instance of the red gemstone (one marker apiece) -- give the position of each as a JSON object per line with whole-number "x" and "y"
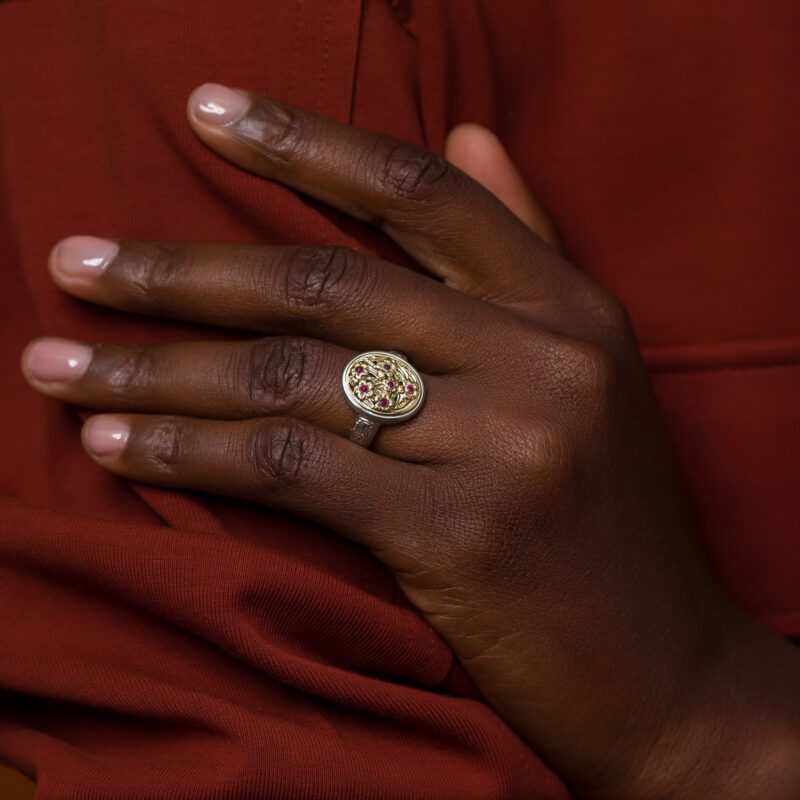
{"x": 410, "y": 389}
{"x": 390, "y": 384}
{"x": 363, "y": 387}
{"x": 384, "y": 401}
{"x": 359, "y": 370}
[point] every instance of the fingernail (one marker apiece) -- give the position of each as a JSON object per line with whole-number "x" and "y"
{"x": 82, "y": 256}
{"x": 218, "y": 105}
{"x": 56, "y": 360}
{"x": 106, "y": 435}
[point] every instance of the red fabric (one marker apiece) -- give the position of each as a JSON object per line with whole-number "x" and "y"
{"x": 158, "y": 644}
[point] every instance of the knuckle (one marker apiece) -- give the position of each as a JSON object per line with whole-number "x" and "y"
{"x": 583, "y": 379}
{"x": 131, "y": 369}
{"x": 592, "y": 373}
{"x": 283, "y": 452}
{"x": 610, "y": 314}
{"x": 319, "y": 279}
{"x": 552, "y": 460}
{"x": 166, "y": 443}
{"x": 411, "y": 173}
{"x": 278, "y": 128}
{"x": 541, "y": 455}
{"x": 274, "y": 373}
{"x": 153, "y": 271}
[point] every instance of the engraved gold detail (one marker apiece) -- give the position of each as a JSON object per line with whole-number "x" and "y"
{"x": 384, "y": 385}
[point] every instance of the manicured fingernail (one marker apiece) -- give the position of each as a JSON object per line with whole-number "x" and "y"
{"x": 106, "y": 435}
{"x": 82, "y": 256}
{"x": 56, "y": 360}
{"x": 218, "y": 105}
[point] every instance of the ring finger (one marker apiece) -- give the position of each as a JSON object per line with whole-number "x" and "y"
{"x": 289, "y": 376}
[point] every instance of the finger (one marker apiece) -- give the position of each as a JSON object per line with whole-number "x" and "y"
{"x": 478, "y": 152}
{"x": 331, "y": 293}
{"x": 437, "y": 213}
{"x": 277, "y": 376}
{"x": 280, "y": 462}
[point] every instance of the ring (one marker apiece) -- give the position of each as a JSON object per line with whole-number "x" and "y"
{"x": 384, "y": 389}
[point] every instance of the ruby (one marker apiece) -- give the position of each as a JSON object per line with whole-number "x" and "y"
{"x": 359, "y": 370}
{"x": 384, "y": 401}
{"x": 390, "y": 384}
{"x": 410, "y": 389}
{"x": 387, "y": 366}
{"x": 363, "y": 387}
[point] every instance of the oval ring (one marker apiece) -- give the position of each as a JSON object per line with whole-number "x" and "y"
{"x": 383, "y": 388}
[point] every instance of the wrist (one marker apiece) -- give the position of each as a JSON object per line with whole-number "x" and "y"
{"x": 734, "y": 732}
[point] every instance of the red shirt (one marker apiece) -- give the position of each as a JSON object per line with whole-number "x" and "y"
{"x": 160, "y": 644}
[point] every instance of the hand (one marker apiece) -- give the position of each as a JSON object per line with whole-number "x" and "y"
{"x": 530, "y": 511}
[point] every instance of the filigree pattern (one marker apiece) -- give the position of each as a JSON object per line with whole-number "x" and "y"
{"x": 384, "y": 384}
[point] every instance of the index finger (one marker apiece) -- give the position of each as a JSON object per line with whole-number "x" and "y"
{"x": 434, "y": 211}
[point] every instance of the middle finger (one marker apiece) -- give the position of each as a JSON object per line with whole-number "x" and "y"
{"x": 339, "y": 295}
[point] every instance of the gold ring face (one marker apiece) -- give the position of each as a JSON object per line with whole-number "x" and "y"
{"x": 383, "y": 386}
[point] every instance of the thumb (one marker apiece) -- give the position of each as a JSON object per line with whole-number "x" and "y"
{"x": 478, "y": 152}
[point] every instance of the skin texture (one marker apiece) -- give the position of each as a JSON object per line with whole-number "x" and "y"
{"x": 549, "y": 544}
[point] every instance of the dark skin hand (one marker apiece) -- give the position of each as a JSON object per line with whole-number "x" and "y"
{"x": 530, "y": 511}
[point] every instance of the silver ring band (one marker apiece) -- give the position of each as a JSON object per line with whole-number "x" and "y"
{"x": 383, "y": 388}
{"x": 363, "y": 431}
